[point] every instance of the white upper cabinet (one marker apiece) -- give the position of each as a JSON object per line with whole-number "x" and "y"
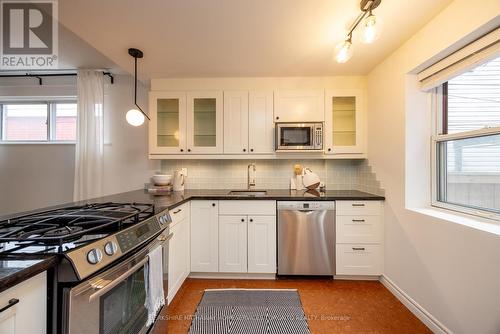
{"x": 167, "y": 128}
{"x": 260, "y": 122}
{"x": 205, "y": 122}
{"x": 236, "y": 122}
{"x": 299, "y": 105}
{"x": 344, "y": 124}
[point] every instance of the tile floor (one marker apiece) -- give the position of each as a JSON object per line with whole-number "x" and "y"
{"x": 331, "y": 306}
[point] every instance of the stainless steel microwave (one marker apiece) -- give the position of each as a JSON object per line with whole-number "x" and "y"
{"x": 298, "y": 136}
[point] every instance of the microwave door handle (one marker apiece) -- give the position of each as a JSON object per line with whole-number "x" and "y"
{"x": 118, "y": 280}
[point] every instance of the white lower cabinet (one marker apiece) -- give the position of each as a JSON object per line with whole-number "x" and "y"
{"x": 179, "y": 262}
{"x": 359, "y": 235}
{"x": 29, "y": 315}
{"x": 233, "y": 244}
{"x": 359, "y": 259}
{"x": 204, "y": 236}
{"x": 262, "y": 244}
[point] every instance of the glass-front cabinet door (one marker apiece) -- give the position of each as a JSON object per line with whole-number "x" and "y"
{"x": 167, "y": 128}
{"x": 205, "y": 122}
{"x": 344, "y": 122}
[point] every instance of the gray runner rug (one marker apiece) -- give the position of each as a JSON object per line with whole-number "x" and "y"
{"x": 249, "y": 311}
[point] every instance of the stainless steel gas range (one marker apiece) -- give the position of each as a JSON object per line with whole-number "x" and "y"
{"x": 100, "y": 282}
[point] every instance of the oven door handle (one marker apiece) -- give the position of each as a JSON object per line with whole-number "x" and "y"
{"x": 102, "y": 290}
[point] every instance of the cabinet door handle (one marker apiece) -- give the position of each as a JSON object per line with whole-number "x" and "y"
{"x": 177, "y": 211}
{"x": 182, "y": 150}
{"x": 277, "y": 117}
{"x": 11, "y": 303}
{"x": 251, "y": 150}
{"x": 213, "y": 204}
{"x": 242, "y": 220}
{"x": 251, "y": 220}
{"x": 189, "y": 150}
{"x": 358, "y": 204}
{"x": 329, "y": 150}
{"x": 358, "y": 220}
{"x": 358, "y": 248}
{"x": 244, "y": 150}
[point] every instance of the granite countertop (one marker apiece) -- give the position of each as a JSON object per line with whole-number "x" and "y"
{"x": 14, "y": 270}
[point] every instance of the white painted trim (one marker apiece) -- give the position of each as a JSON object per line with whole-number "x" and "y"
{"x": 302, "y": 156}
{"x": 434, "y": 325}
{"x": 231, "y": 276}
{"x": 357, "y": 278}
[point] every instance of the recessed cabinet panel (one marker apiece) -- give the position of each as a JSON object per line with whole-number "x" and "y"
{"x": 204, "y": 122}
{"x": 236, "y": 122}
{"x": 344, "y": 122}
{"x": 299, "y": 105}
{"x": 204, "y": 236}
{"x": 167, "y": 128}
{"x": 260, "y": 122}
{"x": 262, "y": 244}
{"x": 233, "y": 244}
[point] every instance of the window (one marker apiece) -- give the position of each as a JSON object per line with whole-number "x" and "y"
{"x": 28, "y": 121}
{"x": 467, "y": 142}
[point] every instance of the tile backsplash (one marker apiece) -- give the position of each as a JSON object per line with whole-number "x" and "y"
{"x": 274, "y": 174}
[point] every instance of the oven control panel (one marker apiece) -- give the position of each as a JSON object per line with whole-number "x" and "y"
{"x": 130, "y": 238}
{"x": 90, "y": 258}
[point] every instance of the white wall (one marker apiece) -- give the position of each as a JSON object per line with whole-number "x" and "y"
{"x": 38, "y": 175}
{"x": 450, "y": 270}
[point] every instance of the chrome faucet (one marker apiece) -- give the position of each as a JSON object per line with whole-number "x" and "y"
{"x": 251, "y": 184}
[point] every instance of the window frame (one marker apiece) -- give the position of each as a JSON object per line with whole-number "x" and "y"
{"x": 439, "y": 116}
{"x": 51, "y": 119}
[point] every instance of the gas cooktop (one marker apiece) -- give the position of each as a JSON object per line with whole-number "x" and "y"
{"x": 60, "y": 230}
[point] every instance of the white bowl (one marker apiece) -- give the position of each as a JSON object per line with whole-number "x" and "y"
{"x": 162, "y": 179}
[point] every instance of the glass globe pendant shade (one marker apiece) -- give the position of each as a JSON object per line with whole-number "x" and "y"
{"x": 134, "y": 117}
{"x": 370, "y": 29}
{"x": 343, "y": 51}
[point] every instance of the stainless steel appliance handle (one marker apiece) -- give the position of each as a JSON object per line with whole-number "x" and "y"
{"x": 125, "y": 275}
{"x": 118, "y": 280}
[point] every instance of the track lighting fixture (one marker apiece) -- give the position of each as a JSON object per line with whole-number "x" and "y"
{"x": 370, "y": 27}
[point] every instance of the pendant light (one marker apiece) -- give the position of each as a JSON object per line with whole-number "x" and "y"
{"x": 134, "y": 116}
{"x": 370, "y": 30}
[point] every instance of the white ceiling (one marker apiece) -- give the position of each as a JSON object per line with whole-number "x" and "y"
{"x": 212, "y": 38}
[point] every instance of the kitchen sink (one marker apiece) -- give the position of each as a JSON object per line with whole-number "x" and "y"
{"x": 250, "y": 193}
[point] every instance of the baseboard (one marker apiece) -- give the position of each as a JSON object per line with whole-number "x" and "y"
{"x": 357, "y": 277}
{"x": 434, "y": 325}
{"x": 232, "y": 276}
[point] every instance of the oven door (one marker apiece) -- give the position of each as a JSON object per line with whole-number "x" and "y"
{"x": 114, "y": 301}
{"x": 293, "y": 136}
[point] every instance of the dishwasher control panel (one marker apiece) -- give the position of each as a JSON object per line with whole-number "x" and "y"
{"x": 306, "y": 205}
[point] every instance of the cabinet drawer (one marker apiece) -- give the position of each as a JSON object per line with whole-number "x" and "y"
{"x": 358, "y": 259}
{"x": 359, "y": 229}
{"x": 247, "y": 207}
{"x": 362, "y": 208}
{"x": 179, "y": 213}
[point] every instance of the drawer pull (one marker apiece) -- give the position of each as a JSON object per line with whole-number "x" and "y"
{"x": 11, "y": 303}
{"x": 358, "y": 220}
{"x": 177, "y": 211}
{"x": 358, "y": 204}
{"x": 358, "y": 248}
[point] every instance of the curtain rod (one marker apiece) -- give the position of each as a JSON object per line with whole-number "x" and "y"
{"x": 40, "y": 76}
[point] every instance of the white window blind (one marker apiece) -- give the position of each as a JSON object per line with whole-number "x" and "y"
{"x": 461, "y": 61}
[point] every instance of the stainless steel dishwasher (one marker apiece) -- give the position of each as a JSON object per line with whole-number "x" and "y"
{"x": 306, "y": 238}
